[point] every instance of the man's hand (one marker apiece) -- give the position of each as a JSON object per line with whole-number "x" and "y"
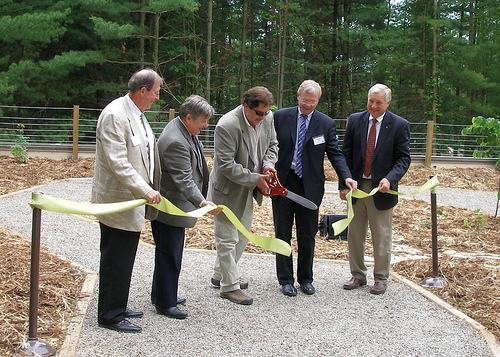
{"x": 384, "y": 185}
{"x": 352, "y": 184}
{"x": 216, "y": 209}
{"x": 153, "y": 197}
{"x": 267, "y": 173}
{"x": 262, "y": 184}
{"x": 269, "y": 170}
{"x": 343, "y": 193}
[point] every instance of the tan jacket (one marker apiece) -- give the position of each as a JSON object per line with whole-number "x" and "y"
{"x": 121, "y": 166}
{"x": 232, "y": 175}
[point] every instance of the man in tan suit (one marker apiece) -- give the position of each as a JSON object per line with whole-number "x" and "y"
{"x": 245, "y": 151}
{"x": 126, "y": 168}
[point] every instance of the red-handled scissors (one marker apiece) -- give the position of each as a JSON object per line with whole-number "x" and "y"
{"x": 276, "y": 189}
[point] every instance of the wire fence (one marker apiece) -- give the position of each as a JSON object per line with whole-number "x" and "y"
{"x": 55, "y": 127}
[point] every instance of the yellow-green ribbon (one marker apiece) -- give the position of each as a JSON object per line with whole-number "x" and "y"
{"x": 54, "y": 204}
{"x": 342, "y": 224}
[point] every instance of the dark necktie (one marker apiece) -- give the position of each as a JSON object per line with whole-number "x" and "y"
{"x": 201, "y": 164}
{"x": 370, "y": 148}
{"x": 198, "y": 152}
{"x": 300, "y": 144}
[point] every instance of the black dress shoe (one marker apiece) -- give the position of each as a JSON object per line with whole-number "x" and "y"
{"x": 172, "y": 312}
{"x": 289, "y": 290}
{"x": 181, "y": 301}
{"x": 307, "y": 288}
{"x": 122, "y": 326}
{"x": 129, "y": 313}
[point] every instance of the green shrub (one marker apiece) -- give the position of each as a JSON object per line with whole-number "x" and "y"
{"x": 489, "y": 129}
{"x": 19, "y": 150}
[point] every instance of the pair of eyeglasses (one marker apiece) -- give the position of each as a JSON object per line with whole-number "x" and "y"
{"x": 310, "y": 102}
{"x": 261, "y": 114}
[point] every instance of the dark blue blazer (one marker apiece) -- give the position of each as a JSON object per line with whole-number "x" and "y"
{"x": 391, "y": 158}
{"x": 321, "y": 138}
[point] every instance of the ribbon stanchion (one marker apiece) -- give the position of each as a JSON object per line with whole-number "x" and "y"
{"x": 54, "y": 204}
{"x": 342, "y": 224}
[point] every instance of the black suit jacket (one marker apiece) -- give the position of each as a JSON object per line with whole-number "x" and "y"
{"x": 321, "y": 138}
{"x": 391, "y": 158}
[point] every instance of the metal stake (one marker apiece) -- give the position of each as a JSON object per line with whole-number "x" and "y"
{"x": 34, "y": 346}
{"x": 435, "y": 281}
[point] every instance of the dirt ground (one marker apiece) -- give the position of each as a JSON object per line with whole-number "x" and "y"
{"x": 467, "y": 243}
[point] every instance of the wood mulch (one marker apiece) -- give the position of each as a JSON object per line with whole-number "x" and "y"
{"x": 469, "y": 252}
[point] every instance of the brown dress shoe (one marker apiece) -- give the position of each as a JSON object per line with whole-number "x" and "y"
{"x": 378, "y": 288}
{"x": 354, "y": 283}
{"x": 237, "y": 296}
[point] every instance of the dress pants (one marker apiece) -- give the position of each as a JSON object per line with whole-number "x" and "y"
{"x": 230, "y": 244}
{"x": 380, "y": 222}
{"x": 306, "y": 222}
{"x": 169, "y": 244}
{"x": 118, "y": 250}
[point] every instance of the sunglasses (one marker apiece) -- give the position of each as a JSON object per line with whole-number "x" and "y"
{"x": 261, "y": 114}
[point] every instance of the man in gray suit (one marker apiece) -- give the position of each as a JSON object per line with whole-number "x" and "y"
{"x": 126, "y": 168}
{"x": 184, "y": 182}
{"x": 246, "y": 150}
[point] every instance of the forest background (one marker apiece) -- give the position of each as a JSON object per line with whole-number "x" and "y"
{"x": 441, "y": 58}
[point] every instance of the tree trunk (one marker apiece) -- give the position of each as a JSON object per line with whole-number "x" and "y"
{"x": 209, "y": 49}
{"x": 141, "y": 39}
{"x": 434, "y": 62}
{"x": 345, "y": 60}
{"x": 281, "y": 70}
{"x": 243, "y": 49}
{"x": 156, "y": 42}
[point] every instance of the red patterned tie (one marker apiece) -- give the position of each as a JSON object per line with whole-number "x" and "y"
{"x": 370, "y": 148}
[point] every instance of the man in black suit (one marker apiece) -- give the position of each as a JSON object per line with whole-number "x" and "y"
{"x": 381, "y": 165}
{"x": 300, "y": 169}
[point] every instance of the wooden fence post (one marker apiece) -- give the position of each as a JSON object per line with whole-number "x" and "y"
{"x": 428, "y": 146}
{"x": 76, "y": 117}
{"x": 171, "y": 114}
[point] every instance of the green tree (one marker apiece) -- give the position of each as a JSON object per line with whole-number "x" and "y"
{"x": 488, "y": 140}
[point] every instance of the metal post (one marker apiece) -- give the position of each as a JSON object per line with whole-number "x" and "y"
{"x": 34, "y": 345}
{"x": 435, "y": 281}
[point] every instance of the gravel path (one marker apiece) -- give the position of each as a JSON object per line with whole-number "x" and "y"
{"x": 332, "y": 322}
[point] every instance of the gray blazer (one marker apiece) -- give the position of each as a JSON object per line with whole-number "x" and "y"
{"x": 121, "y": 166}
{"x": 232, "y": 175}
{"x": 183, "y": 176}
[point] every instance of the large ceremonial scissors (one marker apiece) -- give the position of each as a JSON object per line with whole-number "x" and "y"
{"x": 276, "y": 189}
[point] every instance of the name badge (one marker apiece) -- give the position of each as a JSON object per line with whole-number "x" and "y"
{"x": 136, "y": 140}
{"x": 319, "y": 140}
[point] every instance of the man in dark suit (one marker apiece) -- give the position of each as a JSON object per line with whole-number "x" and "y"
{"x": 300, "y": 169}
{"x": 184, "y": 182}
{"x": 376, "y": 147}
{"x": 126, "y": 168}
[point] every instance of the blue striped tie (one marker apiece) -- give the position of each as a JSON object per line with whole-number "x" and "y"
{"x": 300, "y": 144}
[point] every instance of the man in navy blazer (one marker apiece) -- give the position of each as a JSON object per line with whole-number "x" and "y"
{"x": 390, "y": 161}
{"x": 320, "y": 138}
